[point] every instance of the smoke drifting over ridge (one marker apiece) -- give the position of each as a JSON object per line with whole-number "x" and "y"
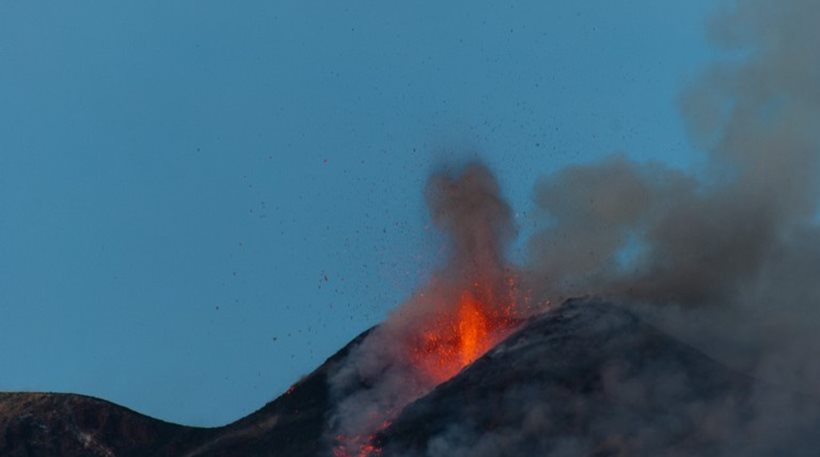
{"x": 713, "y": 240}
{"x": 735, "y": 248}
{"x": 726, "y": 258}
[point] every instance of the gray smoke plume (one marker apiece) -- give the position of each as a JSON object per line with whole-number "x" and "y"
{"x": 738, "y": 246}
{"x": 712, "y": 240}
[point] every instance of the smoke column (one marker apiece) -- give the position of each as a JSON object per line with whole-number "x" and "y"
{"x": 467, "y": 307}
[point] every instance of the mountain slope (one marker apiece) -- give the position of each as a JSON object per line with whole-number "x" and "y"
{"x": 591, "y": 379}
{"x": 39, "y": 424}
{"x": 292, "y": 425}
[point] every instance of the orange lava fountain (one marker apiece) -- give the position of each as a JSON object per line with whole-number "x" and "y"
{"x": 465, "y": 310}
{"x": 445, "y": 342}
{"x": 451, "y": 341}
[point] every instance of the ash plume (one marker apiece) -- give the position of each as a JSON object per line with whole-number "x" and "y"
{"x": 470, "y": 210}
{"x": 384, "y": 373}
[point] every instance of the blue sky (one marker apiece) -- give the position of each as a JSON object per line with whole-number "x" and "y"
{"x": 200, "y": 201}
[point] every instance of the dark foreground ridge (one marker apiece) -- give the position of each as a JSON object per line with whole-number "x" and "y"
{"x": 588, "y": 379}
{"x": 68, "y": 425}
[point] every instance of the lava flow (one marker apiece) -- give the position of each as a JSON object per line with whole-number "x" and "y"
{"x": 364, "y": 445}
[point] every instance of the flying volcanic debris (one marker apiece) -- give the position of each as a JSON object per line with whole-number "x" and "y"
{"x": 465, "y": 309}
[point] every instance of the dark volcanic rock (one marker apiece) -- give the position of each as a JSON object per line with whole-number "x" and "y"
{"x": 591, "y": 379}
{"x": 293, "y": 425}
{"x": 36, "y": 424}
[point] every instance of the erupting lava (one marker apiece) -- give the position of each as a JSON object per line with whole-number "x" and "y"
{"x": 451, "y": 341}
{"x": 466, "y": 309}
{"x": 442, "y": 343}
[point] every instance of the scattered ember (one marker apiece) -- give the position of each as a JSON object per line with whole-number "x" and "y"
{"x": 363, "y": 446}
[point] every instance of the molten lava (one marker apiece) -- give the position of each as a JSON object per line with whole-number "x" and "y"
{"x": 472, "y": 329}
{"x": 443, "y": 343}
{"x": 451, "y": 341}
{"x": 363, "y": 445}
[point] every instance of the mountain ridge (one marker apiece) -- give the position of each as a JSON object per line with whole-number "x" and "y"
{"x": 586, "y": 378}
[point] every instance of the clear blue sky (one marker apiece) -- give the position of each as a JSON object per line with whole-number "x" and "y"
{"x": 200, "y": 201}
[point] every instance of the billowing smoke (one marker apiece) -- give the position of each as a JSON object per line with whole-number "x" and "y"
{"x": 703, "y": 241}
{"x": 726, "y": 257}
{"x": 738, "y": 244}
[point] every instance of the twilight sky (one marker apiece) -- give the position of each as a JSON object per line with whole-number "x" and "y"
{"x": 201, "y": 201}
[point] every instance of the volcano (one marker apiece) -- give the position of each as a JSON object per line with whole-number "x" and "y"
{"x": 588, "y": 378}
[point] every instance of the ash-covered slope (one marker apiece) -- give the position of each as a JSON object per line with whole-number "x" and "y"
{"x": 591, "y": 379}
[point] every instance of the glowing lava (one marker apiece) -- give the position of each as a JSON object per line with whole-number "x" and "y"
{"x": 365, "y": 446}
{"x": 451, "y": 341}
{"x": 472, "y": 329}
{"x": 443, "y": 343}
